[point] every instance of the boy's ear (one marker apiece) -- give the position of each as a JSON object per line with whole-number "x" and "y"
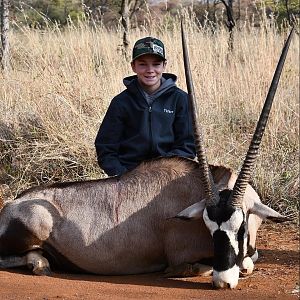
{"x": 133, "y": 66}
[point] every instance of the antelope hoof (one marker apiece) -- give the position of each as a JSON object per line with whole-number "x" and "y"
{"x": 45, "y": 271}
{"x": 247, "y": 267}
{"x": 202, "y": 270}
{"x": 39, "y": 264}
{"x": 188, "y": 270}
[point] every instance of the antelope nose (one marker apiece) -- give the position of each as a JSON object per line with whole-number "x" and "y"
{"x": 222, "y": 285}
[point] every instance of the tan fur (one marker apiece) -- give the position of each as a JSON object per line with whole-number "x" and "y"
{"x": 119, "y": 225}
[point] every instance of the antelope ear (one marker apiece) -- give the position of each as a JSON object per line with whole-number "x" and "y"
{"x": 193, "y": 212}
{"x": 265, "y": 212}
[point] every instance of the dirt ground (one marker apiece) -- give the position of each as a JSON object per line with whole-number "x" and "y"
{"x": 276, "y": 276}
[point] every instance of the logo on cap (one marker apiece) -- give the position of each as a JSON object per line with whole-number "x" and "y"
{"x": 158, "y": 49}
{"x": 148, "y": 45}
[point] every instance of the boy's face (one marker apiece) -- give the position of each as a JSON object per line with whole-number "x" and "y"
{"x": 149, "y": 69}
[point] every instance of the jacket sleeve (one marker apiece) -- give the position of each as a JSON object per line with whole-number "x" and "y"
{"x": 184, "y": 144}
{"x": 107, "y": 141}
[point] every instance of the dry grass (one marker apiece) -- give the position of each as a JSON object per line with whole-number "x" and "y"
{"x": 55, "y": 96}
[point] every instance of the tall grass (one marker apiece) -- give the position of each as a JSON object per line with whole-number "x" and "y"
{"x": 62, "y": 81}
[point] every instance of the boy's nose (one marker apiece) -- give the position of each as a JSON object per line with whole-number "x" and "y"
{"x": 150, "y": 68}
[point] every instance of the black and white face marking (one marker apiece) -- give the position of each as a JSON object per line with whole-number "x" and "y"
{"x": 228, "y": 228}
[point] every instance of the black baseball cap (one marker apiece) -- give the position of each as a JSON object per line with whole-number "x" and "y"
{"x": 148, "y": 45}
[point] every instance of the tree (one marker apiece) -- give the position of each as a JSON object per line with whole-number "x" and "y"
{"x": 127, "y": 11}
{"x": 230, "y": 21}
{"x": 284, "y": 10}
{"x": 40, "y": 13}
{"x": 125, "y": 23}
{"x": 4, "y": 53}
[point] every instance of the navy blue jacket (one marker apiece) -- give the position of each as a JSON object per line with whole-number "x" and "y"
{"x": 134, "y": 130}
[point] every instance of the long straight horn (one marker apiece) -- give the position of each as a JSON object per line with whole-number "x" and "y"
{"x": 244, "y": 176}
{"x": 209, "y": 190}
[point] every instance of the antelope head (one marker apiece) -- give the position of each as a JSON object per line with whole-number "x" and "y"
{"x": 225, "y": 213}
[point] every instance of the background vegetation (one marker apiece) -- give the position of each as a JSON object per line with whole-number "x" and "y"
{"x": 61, "y": 81}
{"x": 41, "y": 13}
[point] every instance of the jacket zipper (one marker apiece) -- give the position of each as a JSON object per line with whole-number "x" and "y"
{"x": 150, "y": 131}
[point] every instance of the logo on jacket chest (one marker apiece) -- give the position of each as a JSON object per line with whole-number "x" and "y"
{"x": 168, "y": 111}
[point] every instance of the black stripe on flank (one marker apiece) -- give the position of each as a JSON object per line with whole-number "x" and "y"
{"x": 224, "y": 255}
{"x": 17, "y": 239}
{"x": 58, "y": 261}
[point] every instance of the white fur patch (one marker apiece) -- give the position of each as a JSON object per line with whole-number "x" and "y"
{"x": 228, "y": 278}
{"x": 231, "y": 227}
{"x": 211, "y": 225}
{"x": 247, "y": 265}
{"x": 235, "y": 221}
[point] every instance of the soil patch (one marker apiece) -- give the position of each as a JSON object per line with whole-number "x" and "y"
{"x": 276, "y": 276}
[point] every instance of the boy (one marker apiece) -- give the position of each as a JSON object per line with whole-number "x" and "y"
{"x": 147, "y": 120}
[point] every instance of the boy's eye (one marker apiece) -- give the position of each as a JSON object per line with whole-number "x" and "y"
{"x": 154, "y": 64}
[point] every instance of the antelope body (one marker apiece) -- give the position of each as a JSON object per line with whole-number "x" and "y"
{"x": 118, "y": 225}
